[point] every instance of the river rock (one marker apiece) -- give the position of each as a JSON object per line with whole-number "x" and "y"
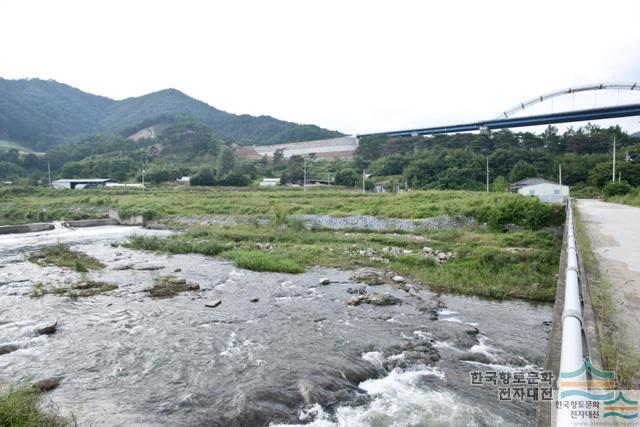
{"x": 410, "y": 354}
{"x": 176, "y": 281}
{"x": 381, "y": 299}
{"x": 213, "y": 304}
{"x": 398, "y": 279}
{"x": 48, "y": 329}
{"x": 46, "y": 384}
{"x": 357, "y": 291}
{"x": 8, "y": 348}
{"x": 147, "y": 267}
{"x": 254, "y": 299}
{"x": 177, "y": 270}
{"x": 355, "y": 300}
{"x": 370, "y": 277}
{"x": 324, "y": 281}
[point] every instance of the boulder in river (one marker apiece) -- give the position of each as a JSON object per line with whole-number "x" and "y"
{"x": 48, "y": 329}
{"x": 46, "y": 384}
{"x": 410, "y": 354}
{"x": 381, "y": 299}
{"x": 374, "y": 299}
{"x": 8, "y": 348}
{"x": 355, "y": 300}
{"x": 254, "y": 299}
{"x": 368, "y": 276}
{"x": 213, "y": 304}
{"x": 324, "y": 281}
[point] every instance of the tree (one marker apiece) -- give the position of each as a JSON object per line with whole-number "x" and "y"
{"x": 347, "y": 177}
{"x": 206, "y": 176}
{"x": 522, "y": 170}
{"x": 499, "y": 184}
{"x": 227, "y": 162}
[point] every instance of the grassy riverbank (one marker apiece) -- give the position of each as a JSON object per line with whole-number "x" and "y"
{"x": 482, "y": 262}
{"x": 20, "y": 407}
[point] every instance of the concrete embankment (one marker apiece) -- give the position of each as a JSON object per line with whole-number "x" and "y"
{"x": 25, "y": 228}
{"x": 90, "y": 222}
{"x": 113, "y": 219}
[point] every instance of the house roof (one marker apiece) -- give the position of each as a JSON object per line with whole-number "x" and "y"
{"x": 531, "y": 181}
{"x": 82, "y": 181}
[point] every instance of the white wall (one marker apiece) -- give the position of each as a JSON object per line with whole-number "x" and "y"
{"x": 546, "y": 192}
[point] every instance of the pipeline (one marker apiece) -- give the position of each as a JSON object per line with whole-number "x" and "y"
{"x": 572, "y": 350}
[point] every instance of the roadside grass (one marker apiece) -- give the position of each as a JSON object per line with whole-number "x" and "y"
{"x": 520, "y": 264}
{"x": 20, "y": 407}
{"x": 61, "y": 256}
{"x": 24, "y": 204}
{"x": 81, "y": 289}
{"x": 617, "y": 354}
{"x": 631, "y": 199}
{"x": 169, "y": 286}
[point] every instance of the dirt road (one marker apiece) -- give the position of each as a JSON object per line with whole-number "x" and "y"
{"x": 614, "y": 231}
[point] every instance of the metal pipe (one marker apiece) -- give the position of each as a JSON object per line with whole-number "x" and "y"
{"x": 572, "y": 352}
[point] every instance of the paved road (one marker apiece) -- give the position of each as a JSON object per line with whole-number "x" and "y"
{"x": 614, "y": 231}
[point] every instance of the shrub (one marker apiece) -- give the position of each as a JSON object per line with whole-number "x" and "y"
{"x": 616, "y": 189}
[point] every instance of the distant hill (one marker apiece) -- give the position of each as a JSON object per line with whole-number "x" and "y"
{"x": 635, "y": 135}
{"x": 44, "y": 113}
{"x": 9, "y": 145}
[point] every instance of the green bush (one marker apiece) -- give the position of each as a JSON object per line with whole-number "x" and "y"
{"x": 616, "y": 189}
{"x": 528, "y": 212}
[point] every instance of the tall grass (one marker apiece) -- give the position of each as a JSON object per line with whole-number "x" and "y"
{"x": 20, "y": 407}
{"x": 61, "y": 256}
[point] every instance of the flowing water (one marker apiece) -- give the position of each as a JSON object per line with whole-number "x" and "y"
{"x": 299, "y": 355}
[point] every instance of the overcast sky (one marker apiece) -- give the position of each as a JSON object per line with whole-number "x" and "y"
{"x": 354, "y": 66}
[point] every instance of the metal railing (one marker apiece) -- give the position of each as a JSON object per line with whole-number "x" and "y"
{"x": 572, "y": 347}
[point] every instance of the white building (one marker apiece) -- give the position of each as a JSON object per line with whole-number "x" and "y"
{"x": 270, "y": 182}
{"x": 62, "y": 184}
{"x": 549, "y": 192}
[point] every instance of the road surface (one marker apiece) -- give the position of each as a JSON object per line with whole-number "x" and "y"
{"x": 614, "y": 231}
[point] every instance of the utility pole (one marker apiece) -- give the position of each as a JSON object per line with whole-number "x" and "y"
{"x": 304, "y": 182}
{"x": 363, "y": 178}
{"x": 613, "y": 173}
{"x": 49, "y": 170}
{"x": 487, "y": 174}
{"x": 560, "y": 173}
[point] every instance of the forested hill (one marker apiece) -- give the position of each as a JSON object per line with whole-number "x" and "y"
{"x": 43, "y": 113}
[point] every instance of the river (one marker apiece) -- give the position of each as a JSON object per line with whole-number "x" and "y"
{"x": 298, "y": 356}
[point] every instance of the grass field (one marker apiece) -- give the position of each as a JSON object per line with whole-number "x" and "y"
{"x": 486, "y": 261}
{"x": 23, "y": 205}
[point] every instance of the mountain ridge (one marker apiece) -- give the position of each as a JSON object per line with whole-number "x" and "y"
{"x": 44, "y": 113}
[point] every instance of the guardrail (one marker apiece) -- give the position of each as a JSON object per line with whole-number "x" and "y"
{"x": 573, "y": 342}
